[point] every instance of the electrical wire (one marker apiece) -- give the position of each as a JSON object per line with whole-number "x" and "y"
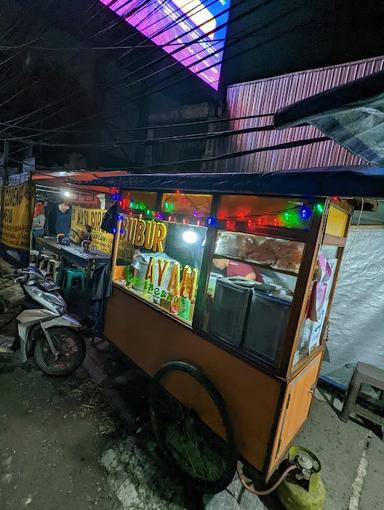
{"x": 121, "y": 18}
{"x": 140, "y": 96}
{"x": 146, "y": 128}
{"x": 96, "y": 48}
{"x": 73, "y": 123}
{"x": 52, "y": 105}
{"x": 228, "y": 155}
{"x": 184, "y": 16}
{"x": 235, "y": 40}
{"x": 168, "y": 85}
{"x": 193, "y": 41}
{"x": 177, "y": 138}
{"x": 140, "y": 141}
{"x": 231, "y": 155}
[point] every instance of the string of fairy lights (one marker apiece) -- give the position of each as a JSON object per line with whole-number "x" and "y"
{"x": 298, "y": 216}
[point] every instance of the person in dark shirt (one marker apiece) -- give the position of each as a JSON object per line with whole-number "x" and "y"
{"x": 63, "y": 219}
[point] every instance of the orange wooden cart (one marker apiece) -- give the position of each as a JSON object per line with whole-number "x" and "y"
{"x": 234, "y": 274}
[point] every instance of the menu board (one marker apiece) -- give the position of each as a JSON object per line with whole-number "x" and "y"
{"x": 81, "y": 218}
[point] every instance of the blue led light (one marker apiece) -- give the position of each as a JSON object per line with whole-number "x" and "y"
{"x": 305, "y": 213}
{"x": 211, "y": 221}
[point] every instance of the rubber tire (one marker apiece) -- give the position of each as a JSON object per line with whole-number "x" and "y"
{"x": 58, "y": 372}
{"x": 206, "y": 487}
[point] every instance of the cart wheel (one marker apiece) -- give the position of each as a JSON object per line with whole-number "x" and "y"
{"x": 204, "y": 459}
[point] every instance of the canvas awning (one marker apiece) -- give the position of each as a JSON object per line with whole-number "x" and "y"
{"x": 348, "y": 182}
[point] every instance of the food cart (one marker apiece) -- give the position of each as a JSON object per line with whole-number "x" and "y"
{"x": 232, "y": 275}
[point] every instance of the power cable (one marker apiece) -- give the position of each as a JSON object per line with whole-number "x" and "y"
{"x": 197, "y": 40}
{"x": 95, "y": 48}
{"x": 151, "y": 92}
{"x": 236, "y": 40}
{"x": 180, "y": 138}
{"x": 231, "y": 155}
{"x": 146, "y": 128}
{"x": 140, "y": 141}
{"x": 239, "y": 39}
{"x": 126, "y": 14}
{"x": 77, "y": 122}
{"x": 228, "y": 155}
{"x": 71, "y": 95}
{"x": 175, "y": 22}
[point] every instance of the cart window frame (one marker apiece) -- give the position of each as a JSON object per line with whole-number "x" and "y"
{"x": 311, "y": 240}
{"x": 191, "y": 280}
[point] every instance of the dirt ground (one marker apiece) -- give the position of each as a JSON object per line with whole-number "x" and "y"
{"x": 52, "y": 432}
{"x": 63, "y": 447}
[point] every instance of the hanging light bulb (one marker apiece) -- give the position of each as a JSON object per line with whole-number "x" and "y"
{"x": 190, "y": 236}
{"x": 230, "y": 225}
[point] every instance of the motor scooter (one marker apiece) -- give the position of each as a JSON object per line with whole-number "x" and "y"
{"x": 44, "y": 329}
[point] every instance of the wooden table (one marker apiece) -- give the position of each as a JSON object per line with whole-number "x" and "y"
{"x": 73, "y": 253}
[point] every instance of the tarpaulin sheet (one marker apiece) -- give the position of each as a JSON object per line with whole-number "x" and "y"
{"x": 358, "y": 127}
{"x": 356, "y": 331}
{"x": 353, "y": 181}
{"x": 351, "y": 114}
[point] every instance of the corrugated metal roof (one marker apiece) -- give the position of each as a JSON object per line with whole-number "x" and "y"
{"x": 267, "y": 96}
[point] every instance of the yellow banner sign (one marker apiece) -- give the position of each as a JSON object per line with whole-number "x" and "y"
{"x": 81, "y": 217}
{"x": 17, "y": 208}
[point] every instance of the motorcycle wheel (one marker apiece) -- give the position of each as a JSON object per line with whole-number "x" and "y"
{"x": 70, "y": 346}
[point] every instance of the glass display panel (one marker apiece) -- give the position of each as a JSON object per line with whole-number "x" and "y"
{"x": 160, "y": 262}
{"x": 317, "y": 304}
{"x": 256, "y": 212}
{"x": 269, "y": 252}
{"x": 138, "y": 201}
{"x": 250, "y": 289}
{"x": 194, "y": 205}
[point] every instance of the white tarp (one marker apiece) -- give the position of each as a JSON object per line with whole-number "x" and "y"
{"x": 356, "y": 330}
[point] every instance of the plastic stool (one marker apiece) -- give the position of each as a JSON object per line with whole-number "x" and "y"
{"x": 53, "y": 268}
{"x": 364, "y": 374}
{"x": 70, "y": 276}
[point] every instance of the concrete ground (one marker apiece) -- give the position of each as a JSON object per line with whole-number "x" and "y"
{"x": 352, "y": 457}
{"x": 76, "y": 443}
